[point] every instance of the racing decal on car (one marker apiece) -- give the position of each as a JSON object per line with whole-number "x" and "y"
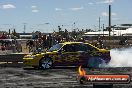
{"x": 71, "y": 58}
{"x": 95, "y": 54}
{"x": 56, "y": 58}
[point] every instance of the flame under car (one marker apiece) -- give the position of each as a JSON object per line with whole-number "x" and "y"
{"x": 69, "y": 54}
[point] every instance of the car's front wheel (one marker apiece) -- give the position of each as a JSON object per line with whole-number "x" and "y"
{"x": 45, "y": 63}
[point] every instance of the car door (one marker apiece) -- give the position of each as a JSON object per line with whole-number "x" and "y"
{"x": 81, "y": 53}
{"x": 68, "y": 55}
{"x": 84, "y": 53}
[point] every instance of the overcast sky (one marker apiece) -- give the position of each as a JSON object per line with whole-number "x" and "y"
{"x": 46, "y": 15}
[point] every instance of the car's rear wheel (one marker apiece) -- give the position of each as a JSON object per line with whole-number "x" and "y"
{"x": 95, "y": 62}
{"x": 45, "y": 63}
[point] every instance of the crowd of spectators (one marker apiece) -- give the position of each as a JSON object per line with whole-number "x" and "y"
{"x": 44, "y": 42}
{"x": 13, "y": 45}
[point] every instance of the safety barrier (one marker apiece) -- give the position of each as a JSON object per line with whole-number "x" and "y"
{"x": 15, "y": 59}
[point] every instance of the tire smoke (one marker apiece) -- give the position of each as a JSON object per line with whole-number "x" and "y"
{"x": 121, "y": 57}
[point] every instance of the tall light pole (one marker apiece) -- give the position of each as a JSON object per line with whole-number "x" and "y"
{"x": 24, "y": 28}
{"x": 74, "y": 25}
{"x": 103, "y": 31}
{"x": 99, "y": 23}
{"x": 109, "y": 19}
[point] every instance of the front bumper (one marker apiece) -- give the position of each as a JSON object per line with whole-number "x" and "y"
{"x": 30, "y": 62}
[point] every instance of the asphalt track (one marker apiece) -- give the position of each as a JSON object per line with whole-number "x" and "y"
{"x": 17, "y": 77}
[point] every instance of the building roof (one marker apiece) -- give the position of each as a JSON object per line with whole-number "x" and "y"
{"x": 113, "y": 32}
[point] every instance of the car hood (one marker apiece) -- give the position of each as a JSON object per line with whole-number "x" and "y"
{"x": 30, "y": 55}
{"x": 54, "y": 52}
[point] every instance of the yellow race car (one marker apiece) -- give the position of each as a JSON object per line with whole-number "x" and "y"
{"x": 69, "y": 54}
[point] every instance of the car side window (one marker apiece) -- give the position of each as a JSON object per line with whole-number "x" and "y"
{"x": 77, "y": 47}
{"x": 90, "y": 48}
{"x": 69, "y": 48}
{"x": 80, "y": 47}
{"x": 83, "y": 47}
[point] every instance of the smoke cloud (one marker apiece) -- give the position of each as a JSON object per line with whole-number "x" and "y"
{"x": 121, "y": 57}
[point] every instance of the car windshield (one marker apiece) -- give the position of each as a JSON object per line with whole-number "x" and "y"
{"x": 55, "y": 47}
